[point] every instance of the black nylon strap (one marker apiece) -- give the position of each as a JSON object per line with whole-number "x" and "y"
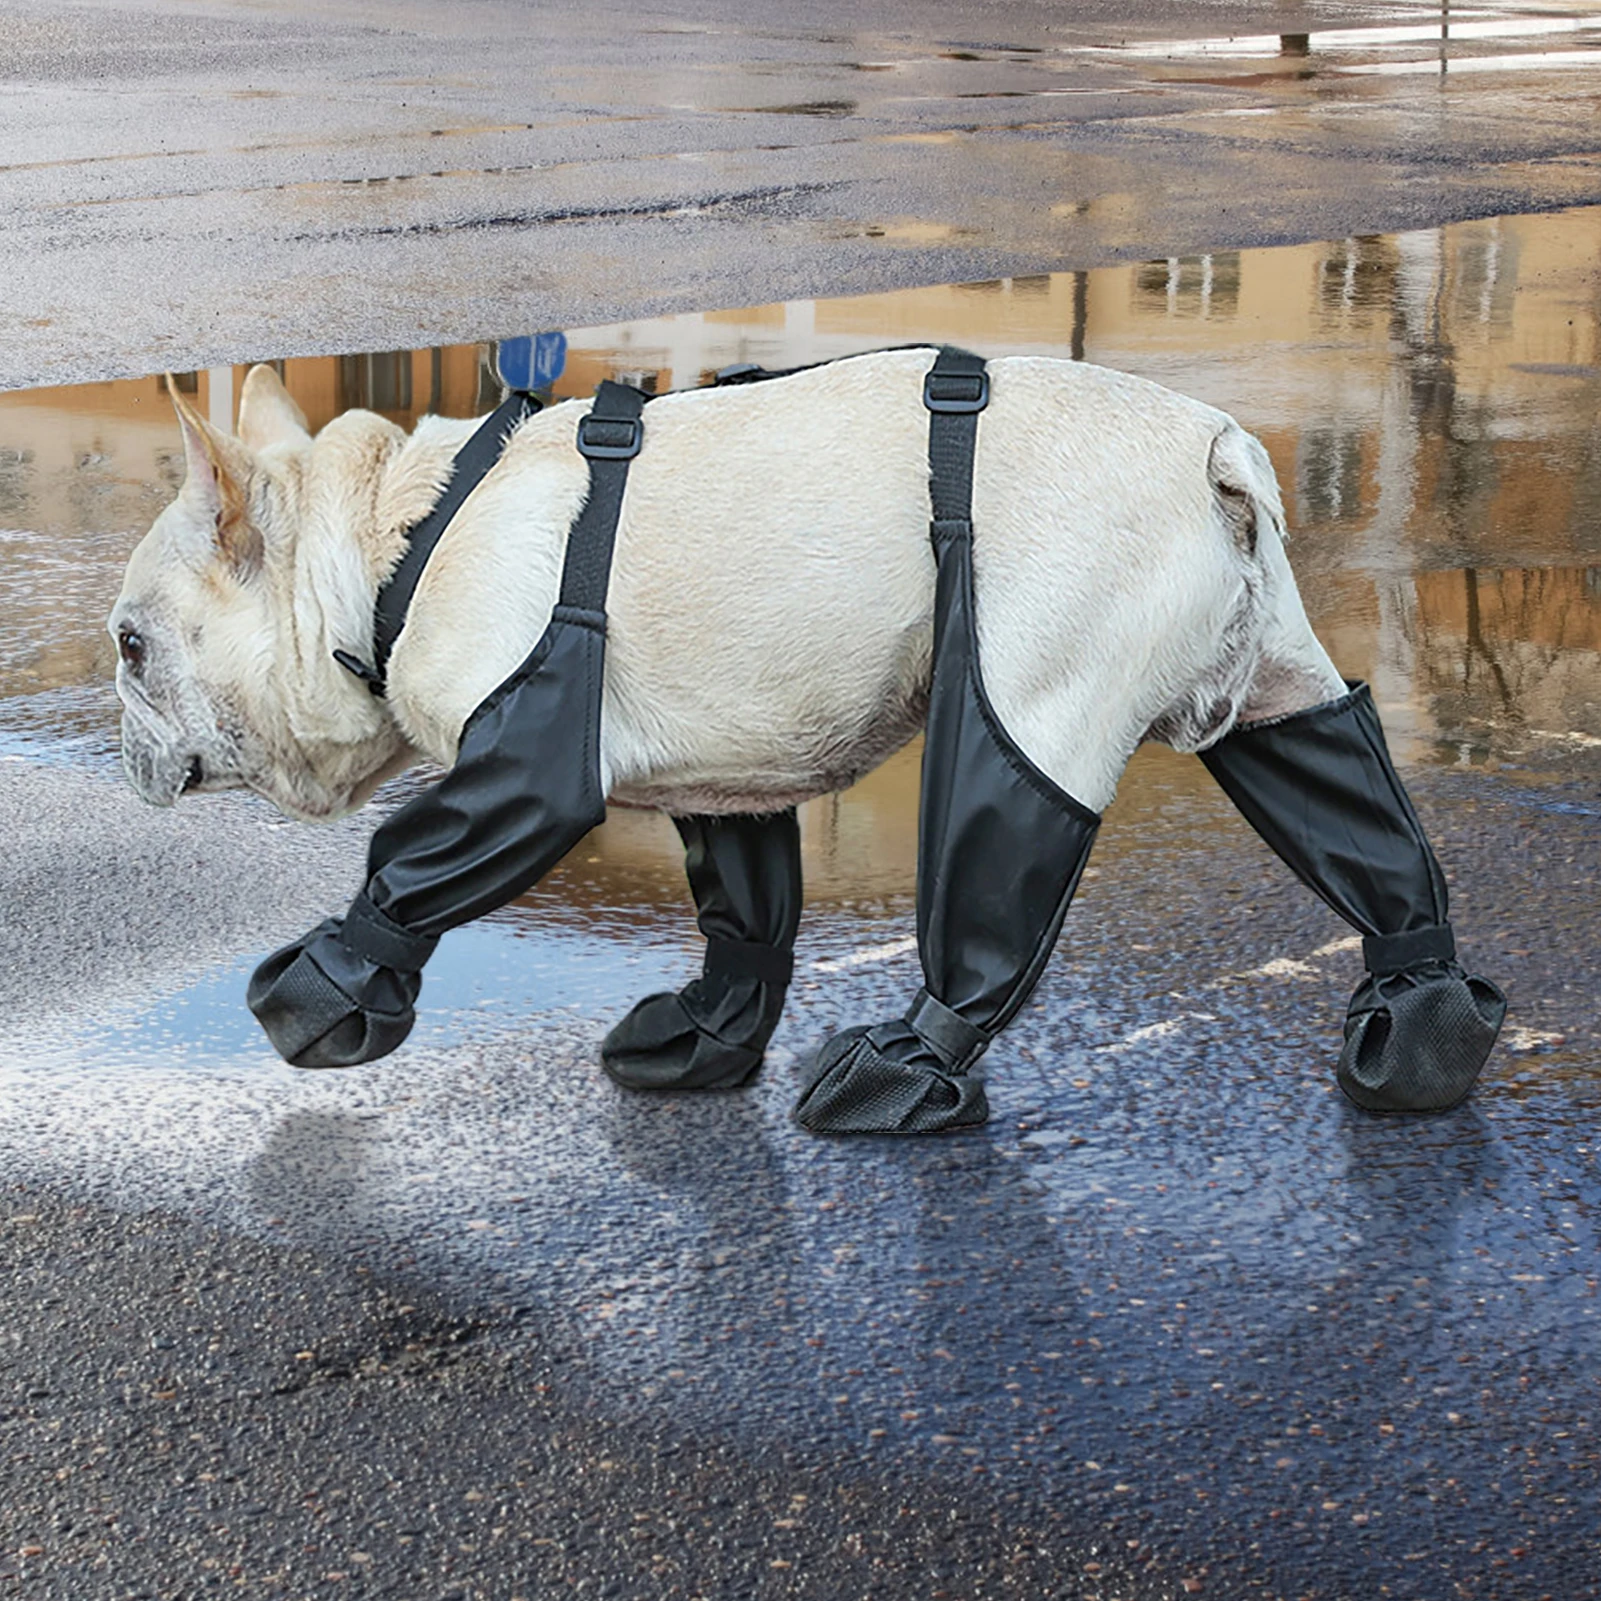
{"x": 370, "y": 933}
{"x": 955, "y": 391}
{"x": 947, "y": 1034}
{"x": 1394, "y": 953}
{"x": 743, "y": 958}
{"x": 467, "y": 471}
{"x": 609, "y": 435}
{"x": 307, "y": 1005}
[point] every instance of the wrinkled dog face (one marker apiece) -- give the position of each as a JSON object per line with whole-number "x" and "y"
{"x": 179, "y": 626}
{"x": 204, "y": 629}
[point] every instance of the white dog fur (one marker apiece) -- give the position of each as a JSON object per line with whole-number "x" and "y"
{"x": 771, "y": 595}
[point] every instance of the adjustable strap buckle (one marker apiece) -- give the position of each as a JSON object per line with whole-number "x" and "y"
{"x": 373, "y": 679}
{"x": 610, "y": 438}
{"x": 958, "y": 393}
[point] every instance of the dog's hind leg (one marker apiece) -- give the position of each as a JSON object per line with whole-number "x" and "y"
{"x": 745, "y": 875}
{"x": 1312, "y": 774}
{"x": 1001, "y": 847}
{"x": 1000, "y": 851}
{"x": 1320, "y": 788}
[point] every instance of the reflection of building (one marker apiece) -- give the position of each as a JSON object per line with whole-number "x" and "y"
{"x": 1428, "y": 400}
{"x": 1515, "y": 649}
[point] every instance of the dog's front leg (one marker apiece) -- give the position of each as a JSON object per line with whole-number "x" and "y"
{"x": 525, "y": 789}
{"x": 745, "y": 874}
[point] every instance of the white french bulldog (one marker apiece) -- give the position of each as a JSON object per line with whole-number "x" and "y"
{"x": 771, "y": 595}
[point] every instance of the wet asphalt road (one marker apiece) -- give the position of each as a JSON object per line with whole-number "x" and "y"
{"x": 182, "y": 187}
{"x": 471, "y": 1322}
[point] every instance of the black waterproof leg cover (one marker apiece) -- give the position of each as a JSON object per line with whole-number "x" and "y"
{"x": 1320, "y": 788}
{"x": 1000, "y": 850}
{"x": 525, "y": 789}
{"x": 745, "y": 875}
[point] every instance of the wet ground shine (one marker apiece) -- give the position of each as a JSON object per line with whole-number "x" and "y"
{"x": 180, "y": 188}
{"x": 1179, "y": 1310}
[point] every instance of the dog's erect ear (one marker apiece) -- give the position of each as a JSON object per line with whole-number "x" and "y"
{"x": 268, "y": 415}
{"x": 218, "y": 485}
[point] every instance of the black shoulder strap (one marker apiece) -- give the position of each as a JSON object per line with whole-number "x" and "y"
{"x": 609, "y": 437}
{"x": 467, "y": 471}
{"x": 955, "y": 391}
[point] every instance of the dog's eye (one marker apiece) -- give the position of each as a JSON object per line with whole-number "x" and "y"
{"x": 131, "y": 647}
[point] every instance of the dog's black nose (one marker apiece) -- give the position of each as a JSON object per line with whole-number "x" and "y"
{"x": 192, "y": 778}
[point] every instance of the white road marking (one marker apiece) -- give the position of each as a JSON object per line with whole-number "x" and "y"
{"x": 1324, "y": 40}
{"x": 1154, "y": 1031}
{"x": 1280, "y": 967}
{"x": 1533, "y": 61}
{"x": 1532, "y": 1039}
{"x": 867, "y": 956}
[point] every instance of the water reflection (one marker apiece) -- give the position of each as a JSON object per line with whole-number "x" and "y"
{"x": 1426, "y": 43}
{"x": 1430, "y": 401}
{"x": 1194, "y": 1272}
{"x": 1515, "y": 652}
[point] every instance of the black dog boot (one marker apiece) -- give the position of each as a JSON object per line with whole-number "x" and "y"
{"x": 895, "y": 1078}
{"x": 745, "y": 875}
{"x": 1419, "y": 1028}
{"x": 1320, "y": 788}
{"x": 343, "y": 994}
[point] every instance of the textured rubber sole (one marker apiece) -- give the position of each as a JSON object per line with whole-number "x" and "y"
{"x": 854, "y": 1089}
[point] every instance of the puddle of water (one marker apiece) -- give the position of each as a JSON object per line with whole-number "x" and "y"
{"x": 1431, "y": 404}
{"x": 1439, "y": 31}
{"x": 810, "y": 108}
{"x": 1430, "y": 401}
{"x": 506, "y": 967}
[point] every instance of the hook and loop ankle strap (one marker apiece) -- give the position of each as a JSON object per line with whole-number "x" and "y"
{"x": 954, "y": 1040}
{"x": 744, "y": 958}
{"x": 1384, "y": 954}
{"x": 370, "y": 933}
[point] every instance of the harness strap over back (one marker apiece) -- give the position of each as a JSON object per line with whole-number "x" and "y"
{"x": 467, "y": 471}
{"x": 609, "y": 437}
{"x": 955, "y": 391}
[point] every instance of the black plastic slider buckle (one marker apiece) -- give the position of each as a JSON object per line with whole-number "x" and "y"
{"x": 740, "y": 372}
{"x": 958, "y": 392}
{"x": 354, "y": 664}
{"x": 610, "y": 438}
